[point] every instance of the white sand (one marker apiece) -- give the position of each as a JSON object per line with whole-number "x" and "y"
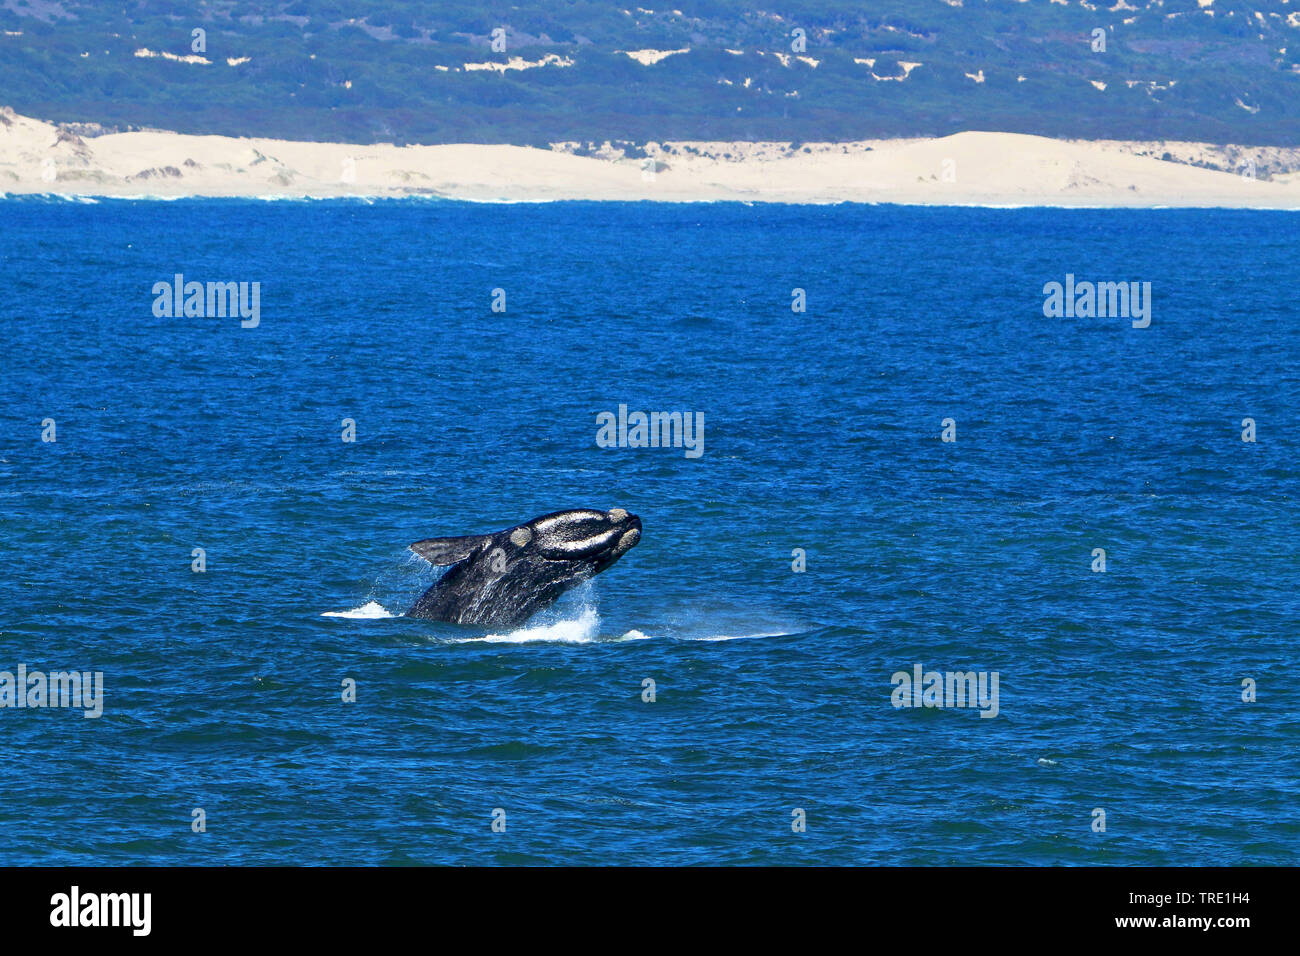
{"x": 964, "y": 169}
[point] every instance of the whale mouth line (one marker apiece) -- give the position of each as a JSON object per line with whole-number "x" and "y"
{"x": 596, "y": 556}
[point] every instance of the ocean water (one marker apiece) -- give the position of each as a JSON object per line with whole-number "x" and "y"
{"x": 1120, "y": 691}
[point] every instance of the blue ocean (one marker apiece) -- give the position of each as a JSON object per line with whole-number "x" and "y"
{"x": 216, "y": 519}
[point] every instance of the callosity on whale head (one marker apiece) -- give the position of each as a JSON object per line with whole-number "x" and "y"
{"x": 504, "y": 578}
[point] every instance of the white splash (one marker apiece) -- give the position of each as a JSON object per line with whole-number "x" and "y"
{"x": 369, "y": 610}
{"x": 579, "y": 630}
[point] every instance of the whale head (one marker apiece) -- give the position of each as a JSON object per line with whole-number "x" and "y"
{"x": 581, "y": 535}
{"x": 504, "y": 578}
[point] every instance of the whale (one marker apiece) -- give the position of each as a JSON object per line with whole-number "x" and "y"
{"x": 504, "y": 578}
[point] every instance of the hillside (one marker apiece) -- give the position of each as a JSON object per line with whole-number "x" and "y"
{"x": 716, "y": 70}
{"x": 973, "y": 168}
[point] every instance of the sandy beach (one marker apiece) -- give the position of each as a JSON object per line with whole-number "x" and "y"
{"x": 969, "y": 168}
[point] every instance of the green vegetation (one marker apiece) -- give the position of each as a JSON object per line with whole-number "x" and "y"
{"x": 369, "y": 72}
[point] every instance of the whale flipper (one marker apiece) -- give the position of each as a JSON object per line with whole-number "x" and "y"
{"x": 439, "y": 551}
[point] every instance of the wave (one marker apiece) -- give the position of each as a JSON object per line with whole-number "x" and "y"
{"x": 580, "y": 630}
{"x": 739, "y": 637}
{"x": 368, "y": 611}
{"x": 585, "y": 629}
{"x": 580, "y": 623}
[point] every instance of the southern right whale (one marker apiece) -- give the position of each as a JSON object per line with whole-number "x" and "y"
{"x": 504, "y": 578}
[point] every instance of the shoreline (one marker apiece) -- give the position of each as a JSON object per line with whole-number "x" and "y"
{"x": 970, "y": 169}
{"x": 370, "y": 200}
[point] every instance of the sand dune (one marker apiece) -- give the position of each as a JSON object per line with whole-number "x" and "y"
{"x": 966, "y": 168}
